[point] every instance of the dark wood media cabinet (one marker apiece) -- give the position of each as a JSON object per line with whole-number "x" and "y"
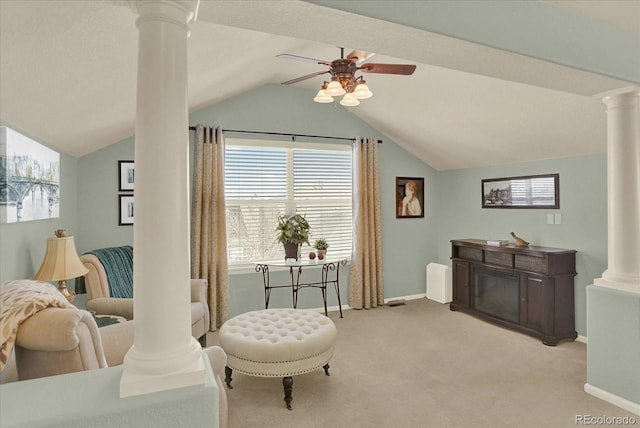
{"x": 527, "y": 289}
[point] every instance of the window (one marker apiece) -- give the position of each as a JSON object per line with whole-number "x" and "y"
{"x": 265, "y": 179}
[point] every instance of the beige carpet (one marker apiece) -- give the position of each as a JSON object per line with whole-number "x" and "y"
{"x": 421, "y": 365}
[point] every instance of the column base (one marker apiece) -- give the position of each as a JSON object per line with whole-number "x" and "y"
{"x": 144, "y": 375}
{"x": 624, "y": 284}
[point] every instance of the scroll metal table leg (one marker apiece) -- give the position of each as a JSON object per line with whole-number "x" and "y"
{"x": 323, "y": 287}
{"x": 337, "y": 285}
{"x": 265, "y": 279}
{"x": 325, "y": 275}
{"x": 295, "y": 285}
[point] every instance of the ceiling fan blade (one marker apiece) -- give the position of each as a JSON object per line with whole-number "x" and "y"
{"x": 405, "y": 69}
{"x": 359, "y": 56}
{"x": 301, "y": 78}
{"x": 303, "y": 58}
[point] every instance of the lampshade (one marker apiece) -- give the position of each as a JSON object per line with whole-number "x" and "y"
{"x": 61, "y": 262}
{"x": 334, "y": 89}
{"x": 349, "y": 100}
{"x": 322, "y": 97}
{"x": 362, "y": 91}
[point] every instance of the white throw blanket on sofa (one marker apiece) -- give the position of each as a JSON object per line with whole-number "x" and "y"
{"x": 19, "y": 300}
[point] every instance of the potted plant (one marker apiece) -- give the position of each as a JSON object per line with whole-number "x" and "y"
{"x": 321, "y": 245}
{"x": 293, "y": 231}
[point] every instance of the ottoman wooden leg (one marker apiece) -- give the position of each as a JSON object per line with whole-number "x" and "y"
{"x": 326, "y": 369}
{"x": 227, "y": 376}
{"x": 288, "y": 387}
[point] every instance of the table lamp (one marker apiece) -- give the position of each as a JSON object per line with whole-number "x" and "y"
{"x": 61, "y": 262}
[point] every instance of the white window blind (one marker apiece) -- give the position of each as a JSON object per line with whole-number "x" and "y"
{"x": 266, "y": 179}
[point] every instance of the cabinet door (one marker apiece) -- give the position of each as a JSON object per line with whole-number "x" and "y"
{"x": 461, "y": 283}
{"x": 537, "y": 304}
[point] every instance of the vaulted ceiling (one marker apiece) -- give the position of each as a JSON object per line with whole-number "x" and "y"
{"x": 68, "y": 70}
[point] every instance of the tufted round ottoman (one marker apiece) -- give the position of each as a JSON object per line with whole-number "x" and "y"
{"x": 278, "y": 343}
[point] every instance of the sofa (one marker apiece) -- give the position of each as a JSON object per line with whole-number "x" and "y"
{"x": 56, "y": 341}
{"x": 100, "y": 297}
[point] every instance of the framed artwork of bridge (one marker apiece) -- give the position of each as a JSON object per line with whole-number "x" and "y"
{"x": 29, "y": 179}
{"x": 530, "y": 191}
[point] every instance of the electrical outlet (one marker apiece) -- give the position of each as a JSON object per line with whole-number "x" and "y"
{"x": 558, "y": 218}
{"x": 550, "y": 219}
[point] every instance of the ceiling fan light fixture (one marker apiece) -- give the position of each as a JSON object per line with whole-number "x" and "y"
{"x": 349, "y": 100}
{"x": 323, "y": 97}
{"x": 362, "y": 91}
{"x": 334, "y": 89}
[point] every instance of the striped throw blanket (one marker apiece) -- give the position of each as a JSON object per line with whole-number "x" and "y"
{"x": 19, "y": 300}
{"x": 118, "y": 264}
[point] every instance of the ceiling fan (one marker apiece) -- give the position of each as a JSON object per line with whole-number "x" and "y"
{"x": 343, "y": 76}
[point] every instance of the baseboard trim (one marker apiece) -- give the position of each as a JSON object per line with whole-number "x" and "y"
{"x": 410, "y": 297}
{"x": 618, "y": 401}
{"x": 582, "y": 339}
{"x": 335, "y": 308}
{"x": 347, "y": 307}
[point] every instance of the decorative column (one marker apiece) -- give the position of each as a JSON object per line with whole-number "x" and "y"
{"x": 623, "y": 190}
{"x": 164, "y": 355}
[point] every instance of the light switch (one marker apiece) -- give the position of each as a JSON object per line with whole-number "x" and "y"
{"x": 558, "y": 218}
{"x": 550, "y": 219}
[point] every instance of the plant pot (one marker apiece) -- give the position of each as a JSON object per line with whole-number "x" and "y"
{"x": 322, "y": 254}
{"x": 291, "y": 251}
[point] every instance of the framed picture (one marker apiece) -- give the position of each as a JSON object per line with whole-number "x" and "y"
{"x": 126, "y": 175}
{"x": 409, "y": 197}
{"x": 30, "y": 179}
{"x": 530, "y": 191}
{"x": 125, "y": 208}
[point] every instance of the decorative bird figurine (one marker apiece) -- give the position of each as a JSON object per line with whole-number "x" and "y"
{"x": 519, "y": 241}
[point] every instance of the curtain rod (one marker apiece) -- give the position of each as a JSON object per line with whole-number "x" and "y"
{"x": 193, "y": 128}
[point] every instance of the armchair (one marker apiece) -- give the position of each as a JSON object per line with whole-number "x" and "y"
{"x": 56, "y": 341}
{"x": 100, "y": 297}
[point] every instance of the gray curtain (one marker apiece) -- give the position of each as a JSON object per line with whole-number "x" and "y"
{"x": 366, "y": 287}
{"x": 208, "y": 224}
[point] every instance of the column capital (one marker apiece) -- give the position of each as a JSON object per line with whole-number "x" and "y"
{"x": 627, "y": 92}
{"x": 180, "y": 12}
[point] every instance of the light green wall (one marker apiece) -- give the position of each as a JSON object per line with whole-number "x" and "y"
{"x": 583, "y": 206}
{"x": 22, "y": 245}
{"x": 98, "y": 198}
{"x": 613, "y": 354}
{"x": 452, "y": 204}
{"x": 278, "y": 109}
{"x": 92, "y": 399}
{"x": 274, "y": 108}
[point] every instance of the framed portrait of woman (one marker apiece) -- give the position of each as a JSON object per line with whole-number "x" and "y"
{"x": 409, "y": 197}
